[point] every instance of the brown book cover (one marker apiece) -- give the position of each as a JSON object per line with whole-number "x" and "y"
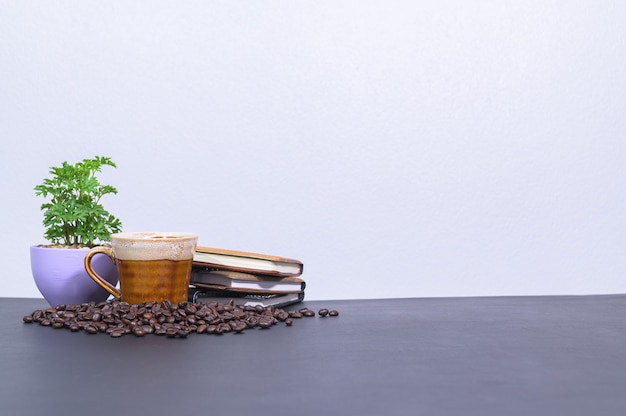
{"x": 247, "y": 262}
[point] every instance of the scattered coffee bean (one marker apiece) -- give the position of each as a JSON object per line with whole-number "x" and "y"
{"x": 240, "y": 326}
{"x": 307, "y": 312}
{"x": 265, "y": 323}
{"x": 117, "y": 318}
{"x": 116, "y": 333}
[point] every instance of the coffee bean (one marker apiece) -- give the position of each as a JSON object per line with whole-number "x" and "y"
{"x": 91, "y": 329}
{"x": 123, "y": 307}
{"x": 117, "y": 318}
{"x": 251, "y": 321}
{"x": 264, "y": 323}
{"x": 116, "y": 333}
{"x": 240, "y": 326}
{"x": 190, "y": 309}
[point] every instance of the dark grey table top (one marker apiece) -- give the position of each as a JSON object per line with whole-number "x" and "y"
{"x": 562, "y": 355}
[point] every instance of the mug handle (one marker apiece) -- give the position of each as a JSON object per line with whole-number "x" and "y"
{"x": 108, "y": 251}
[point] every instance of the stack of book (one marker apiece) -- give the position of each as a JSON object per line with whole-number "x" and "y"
{"x": 246, "y": 279}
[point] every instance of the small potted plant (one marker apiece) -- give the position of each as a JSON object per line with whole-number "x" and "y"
{"x": 75, "y": 221}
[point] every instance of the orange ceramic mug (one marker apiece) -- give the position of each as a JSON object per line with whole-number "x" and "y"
{"x": 153, "y": 266}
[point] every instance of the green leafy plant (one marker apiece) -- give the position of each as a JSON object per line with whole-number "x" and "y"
{"x": 74, "y": 215}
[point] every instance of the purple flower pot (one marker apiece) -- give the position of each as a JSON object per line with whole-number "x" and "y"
{"x": 61, "y": 278}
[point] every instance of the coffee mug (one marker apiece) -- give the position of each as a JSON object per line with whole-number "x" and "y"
{"x": 153, "y": 266}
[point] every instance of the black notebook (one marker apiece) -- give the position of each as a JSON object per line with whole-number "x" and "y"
{"x": 279, "y": 300}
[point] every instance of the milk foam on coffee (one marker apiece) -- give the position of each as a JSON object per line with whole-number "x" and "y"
{"x": 150, "y": 245}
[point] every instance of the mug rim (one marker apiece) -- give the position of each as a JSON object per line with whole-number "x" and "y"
{"x": 154, "y": 235}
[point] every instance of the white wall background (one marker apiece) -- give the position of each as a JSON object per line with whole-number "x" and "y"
{"x": 398, "y": 148}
